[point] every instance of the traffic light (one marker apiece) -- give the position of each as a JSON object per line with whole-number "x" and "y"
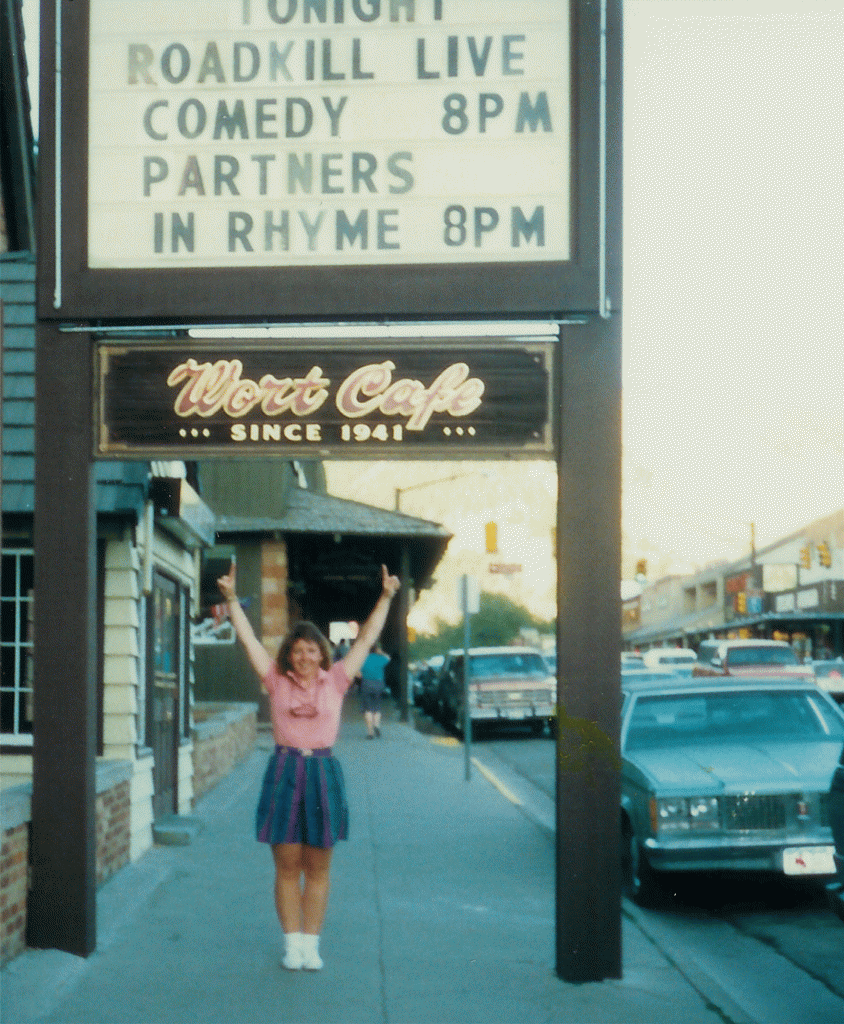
{"x": 741, "y": 602}
{"x": 806, "y": 556}
{"x": 824, "y": 554}
{"x": 491, "y": 530}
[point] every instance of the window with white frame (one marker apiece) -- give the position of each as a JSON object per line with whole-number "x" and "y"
{"x": 16, "y": 607}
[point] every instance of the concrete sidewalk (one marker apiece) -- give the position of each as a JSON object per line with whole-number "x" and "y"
{"x": 442, "y": 910}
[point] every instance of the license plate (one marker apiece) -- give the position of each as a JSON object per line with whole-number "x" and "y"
{"x": 812, "y": 860}
{"x": 514, "y": 713}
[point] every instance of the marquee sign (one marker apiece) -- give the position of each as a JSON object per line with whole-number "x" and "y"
{"x": 370, "y": 401}
{"x": 438, "y": 156}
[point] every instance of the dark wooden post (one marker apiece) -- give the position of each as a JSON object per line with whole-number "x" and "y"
{"x": 589, "y": 631}
{"x": 588, "y": 599}
{"x": 62, "y": 901}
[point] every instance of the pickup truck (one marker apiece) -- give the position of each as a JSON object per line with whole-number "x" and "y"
{"x": 770, "y": 658}
{"x": 506, "y": 684}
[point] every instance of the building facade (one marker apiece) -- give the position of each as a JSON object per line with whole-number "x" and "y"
{"x": 147, "y": 589}
{"x": 791, "y": 590}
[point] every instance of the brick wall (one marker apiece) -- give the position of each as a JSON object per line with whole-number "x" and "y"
{"x": 113, "y": 824}
{"x": 14, "y": 874}
{"x": 223, "y": 735}
{"x": 114, "y": 813}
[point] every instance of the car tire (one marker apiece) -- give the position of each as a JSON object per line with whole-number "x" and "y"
{"x": 640, "y": 882}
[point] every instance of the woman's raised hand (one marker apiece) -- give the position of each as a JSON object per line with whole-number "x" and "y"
{"x": 228, "y": 583}
{"x": 390, "y": 585}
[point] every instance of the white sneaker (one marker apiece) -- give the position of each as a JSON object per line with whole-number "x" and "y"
{"x": 293, "y": 959}
{"x": 311, "y": 960}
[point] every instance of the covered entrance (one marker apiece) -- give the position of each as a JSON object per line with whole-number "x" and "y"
{"x": 312, "y": 556}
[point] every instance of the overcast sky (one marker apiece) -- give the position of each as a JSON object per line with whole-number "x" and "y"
{"x": 734, "y": 304}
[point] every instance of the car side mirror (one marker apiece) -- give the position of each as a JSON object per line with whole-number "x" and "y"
{"x": 716, "y": 663}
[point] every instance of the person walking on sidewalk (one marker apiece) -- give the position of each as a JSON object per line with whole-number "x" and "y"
{"x": 302, "y": 810}
{"x": 372, "y": 689}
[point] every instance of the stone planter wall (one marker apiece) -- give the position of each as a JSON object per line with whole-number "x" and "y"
{"x": 223, "y": 734}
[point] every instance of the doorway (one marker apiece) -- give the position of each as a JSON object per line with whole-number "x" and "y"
{"x": 165, "y": 688}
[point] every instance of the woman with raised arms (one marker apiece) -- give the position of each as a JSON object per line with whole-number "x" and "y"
{"x": 302, "y": 810}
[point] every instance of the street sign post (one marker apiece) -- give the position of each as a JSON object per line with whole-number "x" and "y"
{"x": 470, "y": 604}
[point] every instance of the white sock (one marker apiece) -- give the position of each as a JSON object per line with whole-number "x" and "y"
{"x": 293, "y": 953}
{"x": 311, "y": 959}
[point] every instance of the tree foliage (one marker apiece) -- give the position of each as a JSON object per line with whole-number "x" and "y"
{"x": 497, "y": 623}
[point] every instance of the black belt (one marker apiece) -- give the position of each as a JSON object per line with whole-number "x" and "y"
{"x": 319, "y": 752}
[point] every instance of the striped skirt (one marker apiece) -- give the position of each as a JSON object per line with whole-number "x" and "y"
{"x": 303, "y": 800}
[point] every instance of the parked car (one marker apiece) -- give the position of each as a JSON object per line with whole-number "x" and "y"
{"x": 835, "y": 890}
{"x": 644, "y": 674}
{"x": 506, "y": 684}
{"x": 749, "y": 658}
{"x": 727, "y": 774}
{"x": 629, "y": 659}
{"x": 415, "y": 684}
{"x": 681, "y": 660}
{"x": 830, "y": 677}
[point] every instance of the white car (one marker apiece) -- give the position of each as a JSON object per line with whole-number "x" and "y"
{"x": 681, "y": 660}
{"x": 830, "y": 677}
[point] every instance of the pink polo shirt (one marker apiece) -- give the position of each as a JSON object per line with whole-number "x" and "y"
{"x": 309, "y": 719}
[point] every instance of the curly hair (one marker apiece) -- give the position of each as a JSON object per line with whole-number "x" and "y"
{"x": 303, "y": 631}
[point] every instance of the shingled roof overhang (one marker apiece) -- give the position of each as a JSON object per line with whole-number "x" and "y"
{"x": 308, "y": 512}
{"x": 335, "y": 548}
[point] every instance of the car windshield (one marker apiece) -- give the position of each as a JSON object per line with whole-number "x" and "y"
{"x": 484, "y": 666}
{"x": 762, "y": 656}
{"x": 670, "y": 720}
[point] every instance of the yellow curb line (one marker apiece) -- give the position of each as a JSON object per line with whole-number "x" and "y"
{"x": 499, "y": 785}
